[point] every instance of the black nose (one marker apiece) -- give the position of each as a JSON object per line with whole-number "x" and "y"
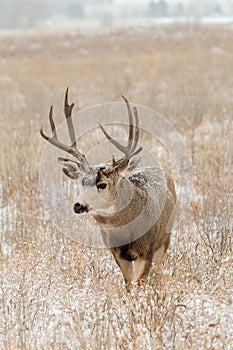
{"x": 79, "y": 208}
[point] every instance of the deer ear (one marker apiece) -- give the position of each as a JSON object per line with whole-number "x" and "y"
{"x": 70, "y": 168}
{"x": 133, "y": 162}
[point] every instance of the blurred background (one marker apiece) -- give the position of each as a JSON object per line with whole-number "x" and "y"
{"x": 47, "y": 13}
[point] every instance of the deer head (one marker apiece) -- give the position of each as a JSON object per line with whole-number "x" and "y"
{"x": 99, "y": 184}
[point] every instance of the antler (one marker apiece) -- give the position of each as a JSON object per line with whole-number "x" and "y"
{"x": 133, "y": 136}
{"x": 57, "y": 143}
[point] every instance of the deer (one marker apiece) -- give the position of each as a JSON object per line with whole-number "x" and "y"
{"x": 133, "y": 206}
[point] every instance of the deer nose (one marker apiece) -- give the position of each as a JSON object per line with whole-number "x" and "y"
{"x": 79, "y": 208}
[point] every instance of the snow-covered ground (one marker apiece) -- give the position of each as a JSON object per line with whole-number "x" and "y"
{"x": 58, "y": 294}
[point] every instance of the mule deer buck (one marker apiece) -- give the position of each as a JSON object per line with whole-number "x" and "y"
{"x": 133, "y": 207}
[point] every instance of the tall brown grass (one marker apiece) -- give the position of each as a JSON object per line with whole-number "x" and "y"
{"x": 57, "y": 294}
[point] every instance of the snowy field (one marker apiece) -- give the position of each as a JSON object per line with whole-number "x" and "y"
{"x": 58, "y": 294}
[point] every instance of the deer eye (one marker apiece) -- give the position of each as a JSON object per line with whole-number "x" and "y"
{"x": 101, "y": 186}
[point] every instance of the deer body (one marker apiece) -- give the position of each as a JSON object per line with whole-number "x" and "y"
{"x": 135, "y": 258}
{"x": 133, "y": 207}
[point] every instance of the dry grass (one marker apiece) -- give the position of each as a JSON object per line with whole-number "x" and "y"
{"x": 56, "y": 294}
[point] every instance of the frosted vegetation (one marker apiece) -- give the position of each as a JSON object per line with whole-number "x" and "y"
{"x": 57, "y": 294}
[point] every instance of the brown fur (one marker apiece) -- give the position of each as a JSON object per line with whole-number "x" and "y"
{"x": 156, "y": 239}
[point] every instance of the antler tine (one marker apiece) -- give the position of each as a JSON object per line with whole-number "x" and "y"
{"x": 52, "y": 125}
{"x": 68, "y": 112}
{"x": 131, "y": 124}
{"x": 137, "y": 130}
{"x": 121, "y": 148}
{"x": 53, "y": 128}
